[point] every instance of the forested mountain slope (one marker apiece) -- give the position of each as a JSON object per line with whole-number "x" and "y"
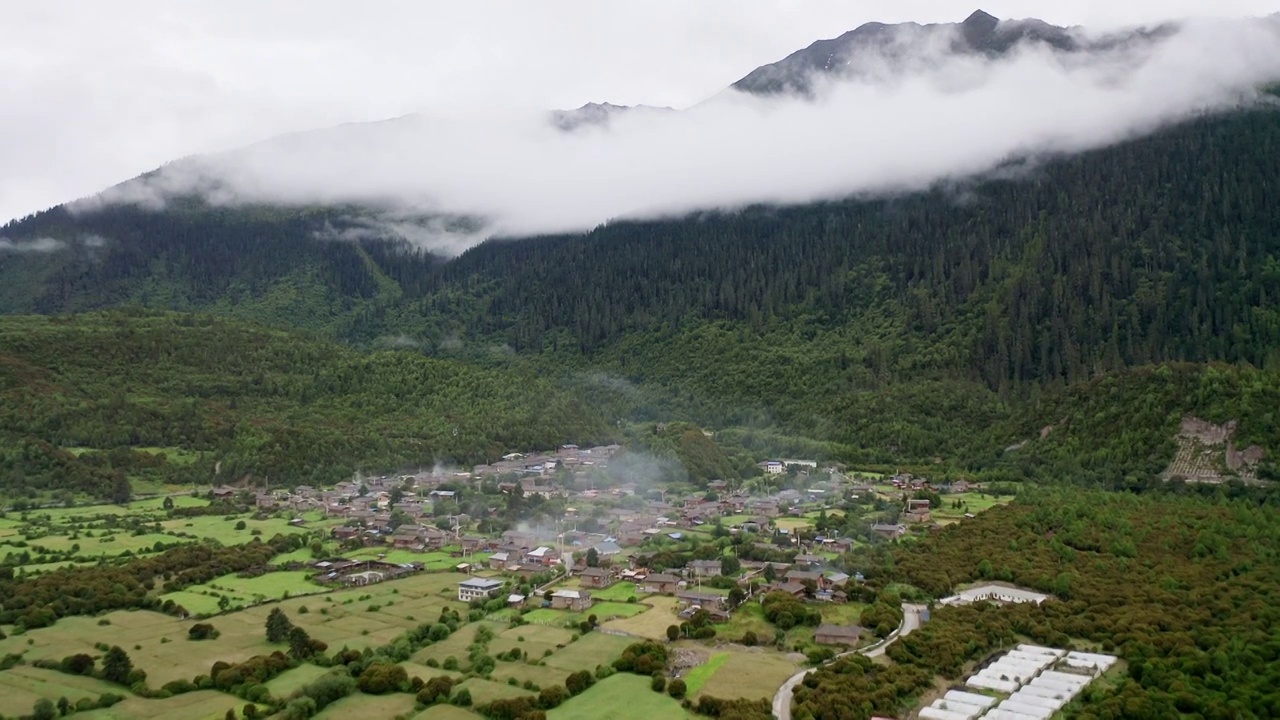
{"x": 891, "y": 327}
{"x": 86, "y": 400}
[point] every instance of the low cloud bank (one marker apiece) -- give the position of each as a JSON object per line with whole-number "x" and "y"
{"x": 947, "y": 116}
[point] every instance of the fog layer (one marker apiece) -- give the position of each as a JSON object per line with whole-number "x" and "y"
{"x": 947, "y": 116}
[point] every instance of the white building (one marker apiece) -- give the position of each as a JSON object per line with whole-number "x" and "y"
{"x": 473, "y": 588}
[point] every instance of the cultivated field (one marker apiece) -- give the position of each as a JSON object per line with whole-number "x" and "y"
{"x": 620, "y": 697}
{"x": 740, "y": 672}
{"x": 22, "y": 686}
{"x": 368, "y": 706}
{"x": 650, "y": 624}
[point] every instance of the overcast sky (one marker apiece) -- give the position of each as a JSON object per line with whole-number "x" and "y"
{"x": 94, "y": 92}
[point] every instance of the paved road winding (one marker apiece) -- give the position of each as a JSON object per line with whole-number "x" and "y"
{"x": 910, "y": 621}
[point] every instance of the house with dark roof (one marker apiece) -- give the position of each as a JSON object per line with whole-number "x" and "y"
{"x": 705, "y": 568}
{"x": 659, "y": 583}
{"x": 595, "y": 577}
{"x": 846, "y": 635}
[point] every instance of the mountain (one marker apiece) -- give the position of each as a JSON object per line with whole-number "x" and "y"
{"x": 599, "y": 114}
{"x": 877, "y": 50}
{"x": 938, "y": 327}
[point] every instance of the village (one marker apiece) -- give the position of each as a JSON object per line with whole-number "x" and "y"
{"x": 557, "y": 530}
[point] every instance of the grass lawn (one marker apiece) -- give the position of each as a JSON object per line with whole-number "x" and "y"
{"x": 455, "y": 645}
{"x": 841, "y": 613}
{"x": 105, "y": 545}
{"x": 792, "y": 523}
{"x": 970, "y": 503}
{"x": 616, "y": 609}
{"x": 546, "y": 616}
{"x": 618, "y": 592}
{"x": 242, "y": 633}
{"x": 697, "y": 677}
{"x": 541, "y": 675}
{"x": 224, "y": 531}
{"x": 620, "y": 697}
{"x": 245, "y": 591}
{"x": 592, "y": 649}
{"x": 534, "y": 640}
{"x": 652, "y": 623}
{"x": 201, "y": 705}
{"x": 21, "y": 686}
{"x": 283, "y": 685}
{"x": 360, "y": 705}
{"x": 745, "y": 673}
{"x": 483, "y": 691}
{"x": 748, "y": 617}
{"x": 446, "y": 712}
{"x": 196, "y": 602}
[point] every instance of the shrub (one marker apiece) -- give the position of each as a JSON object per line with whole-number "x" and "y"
{"x": 202, "y": 631}
{"x": 643, "y": 658}
{"x": 79, "y": 664}
{"x": 552, "y": 697}
{"x": 578, "y": 682}
{"x": 817, "y": 656}
{"x": 463, "y": 698}
{"x": 658, "y": 684}
{"x": 676, "y": 688}
{"x": 381, "y": 678}
{"x": 435, "y": 689}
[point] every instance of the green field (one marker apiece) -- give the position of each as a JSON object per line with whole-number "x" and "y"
{"x": 445, "y": 712}
{"x": 697, "y": 677}
{"x": 792, "y": 524}
{"x": 616, "y": 609}
{"x": 455, "y": 645}
{"x": 620, "y": 697}
{"x": 247, "y": 591}
{"x": 618, "y": 592}
{"x": 368, "y": 706}
{"x": 971, "y": 502}
{"x": 652, "y": 623}
{"x": 748, "y": 673}
{"x": 283, "y": 686}
{"x": 534, "y": 640}
{"x": 483, "y": 691}
{"x": 339, "y": 618}
{"x": 202, "y": 705}
{"x": 22, "y": 686}
{"x": 592, "y": 649}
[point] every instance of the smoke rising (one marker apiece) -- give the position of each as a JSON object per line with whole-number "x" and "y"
{"x": 896, "y": 128}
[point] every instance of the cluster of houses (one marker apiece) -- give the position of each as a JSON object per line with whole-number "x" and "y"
{"x": 569, "y": 457}
{"x": 358, "y": 573}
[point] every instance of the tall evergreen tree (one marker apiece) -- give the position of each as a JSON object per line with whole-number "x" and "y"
{"x": 278, "y": 626}
{"x": 116, "y": 666}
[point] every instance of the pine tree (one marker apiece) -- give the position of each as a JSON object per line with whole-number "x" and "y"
{"x": 116, "y": 666}
{"x": 278, "y": 626}
{"x": 299, "y": 643}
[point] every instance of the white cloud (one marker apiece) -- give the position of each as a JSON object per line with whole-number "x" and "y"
{"x": 950, "y": 116}
{"x": 39, "y": 245}
{"x": 98, "y": 92}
